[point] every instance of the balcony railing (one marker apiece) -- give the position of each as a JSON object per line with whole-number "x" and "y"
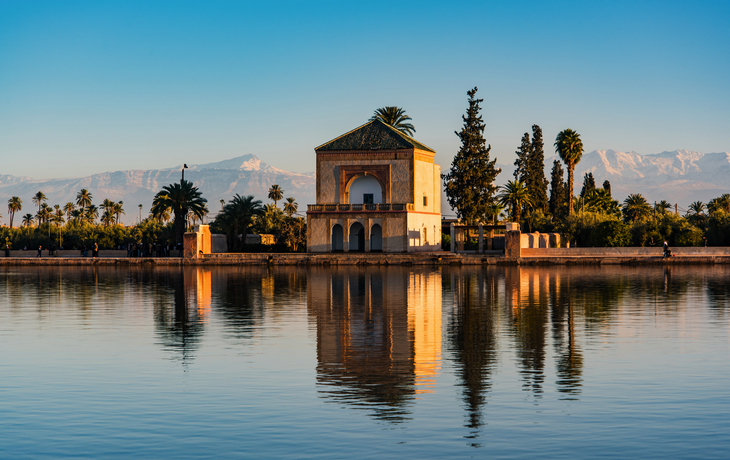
{"x": 360, "y": 207}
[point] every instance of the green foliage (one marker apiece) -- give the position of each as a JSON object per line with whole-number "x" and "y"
{"x": 395, "y": 117}
{"x": 558, "y": 203}
{"x": 469, "y": 183}
{"x": 275, "y": 193}
{"x": 592, "y": 229}
{"x": 718, "y": 228}
{"x": 530, "y": 168}
{"x": 293, "y": 234}
{"x": 589, "y": 184}
{"x": 515, "y": 195}
{"x": 635, "y": 208}
{"x": 235, "y": 219}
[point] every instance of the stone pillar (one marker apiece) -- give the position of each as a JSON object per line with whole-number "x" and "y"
{"x": 453, "y": 237}
{"x": 197, "y": 242}
{"x": 367, "y": 234}
{"x": 512, "y": 240}
{"x": 346, "y": 235}
{"x": 481, "y": 238}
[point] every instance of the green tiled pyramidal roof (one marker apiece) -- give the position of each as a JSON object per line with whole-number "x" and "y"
{"x": 373, "y": 135}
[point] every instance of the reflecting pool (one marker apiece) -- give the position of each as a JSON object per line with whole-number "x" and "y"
{"x": 365, "y": 362}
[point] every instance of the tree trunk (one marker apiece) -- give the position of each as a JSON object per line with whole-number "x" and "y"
{"x": 570, "y": 189}
{"x": 179, "y": 225}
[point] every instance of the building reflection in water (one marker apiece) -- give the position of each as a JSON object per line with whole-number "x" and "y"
{"x": 378, "y": 336}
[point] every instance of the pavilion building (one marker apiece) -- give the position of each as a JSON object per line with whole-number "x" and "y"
{"x": 377, "y": 190}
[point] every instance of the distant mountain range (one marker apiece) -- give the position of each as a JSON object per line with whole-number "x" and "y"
{"x": 245, "y": 175}
{"x": 680, "y": 176}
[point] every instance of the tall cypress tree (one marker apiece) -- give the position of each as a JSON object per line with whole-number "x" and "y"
{"x": 589, "y": 183}
{"x": 536, "y": 182}
{"x": 469, "y": 184}
{"x": 607, "y": 186}
{"x": 557, "y": 191}
{"x": 523, "y": 158}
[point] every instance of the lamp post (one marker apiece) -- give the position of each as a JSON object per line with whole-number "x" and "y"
{"x": 185, "y": 166}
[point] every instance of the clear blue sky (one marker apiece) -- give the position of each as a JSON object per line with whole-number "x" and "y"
{"x": 99, "y": 86}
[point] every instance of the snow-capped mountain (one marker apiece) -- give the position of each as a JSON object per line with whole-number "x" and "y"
{"x": 679, "y": 176}
{"x": 245, "y": 175}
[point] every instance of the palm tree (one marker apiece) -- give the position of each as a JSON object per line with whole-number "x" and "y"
{"x": 76, "y": 215}
{"x": 395, "y": 117}
{"x": 118, "y": 210}
{"x": 236, "y": 217}
{"x": 28, "y": 220}
{"x": 91, "y": 214}
{"x": 107, "y": 205}
{"x": 83, "y": 199}
{"x": 599, "y": 200}
{"x": 57, "y": 217}
{"x": 180, "y": 199}
{"x": 570, "y": 148}
{"x": 635, "y": 207}
{"x": 68, "y": 208}
{"x": 516, "y": 196}
{"x": 38, "y": 200}
{"x": 15, "y": 204}
{"x": 721, "y": 203}
{"x": 275, "y": 194}
{"x": 291, "y": 206}
{"x": 663, "y": 206}
{"x": 108, "y": 217}
{"x": 44, "y": 214}
{"x": 697, "y": 208}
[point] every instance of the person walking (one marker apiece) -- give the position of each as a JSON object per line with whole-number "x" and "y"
{"x": 40, "y": 251}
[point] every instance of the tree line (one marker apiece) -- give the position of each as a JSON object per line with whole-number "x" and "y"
{"x": 175, "y": 209}
{"x": 592, "y": 218}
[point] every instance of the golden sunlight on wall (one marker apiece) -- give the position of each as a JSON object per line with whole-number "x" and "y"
{"x": 424, "y": 323}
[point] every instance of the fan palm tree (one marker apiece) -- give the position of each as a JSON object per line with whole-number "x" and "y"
{"x": 721, "y": 203}
{"x": 516, "y": 196}
{"x": 395, "y": 117}
{"x": 179, "y": 198}
{"x": 291, "y": 206}
{"x": 44, "y": 214}
{"x": 28, "y": 220}
{"x": 83, "y": 199}
{"x": 38, "y": 200}
{"x": 275, "y": 194}
{"x": 236, "y": 217}
{"x": 15, "y": 204}
{"x": 570, "y": 148}
{"x": 635, "y": 207}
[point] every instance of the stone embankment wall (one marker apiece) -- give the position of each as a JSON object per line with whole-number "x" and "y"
{"x": 622, "y": 252}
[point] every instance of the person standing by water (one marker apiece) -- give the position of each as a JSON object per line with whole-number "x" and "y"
{"x": 40, "y": 251}
{"x": 95, "y": 250}
{"x": 7, "y": 250}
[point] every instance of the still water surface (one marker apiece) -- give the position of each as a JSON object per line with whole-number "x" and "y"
{"x": 365, "y": 362}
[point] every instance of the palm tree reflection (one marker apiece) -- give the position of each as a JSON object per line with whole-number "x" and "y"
{"x": 180, "y": 324}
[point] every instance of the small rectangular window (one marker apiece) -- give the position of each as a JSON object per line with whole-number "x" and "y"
{"x": 367, "y": 198}
{"x": 425, "y": 201}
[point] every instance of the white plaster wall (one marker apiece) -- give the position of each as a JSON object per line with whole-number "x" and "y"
{"x": 424, "y": 232}
{"x": 363, "y": 185}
